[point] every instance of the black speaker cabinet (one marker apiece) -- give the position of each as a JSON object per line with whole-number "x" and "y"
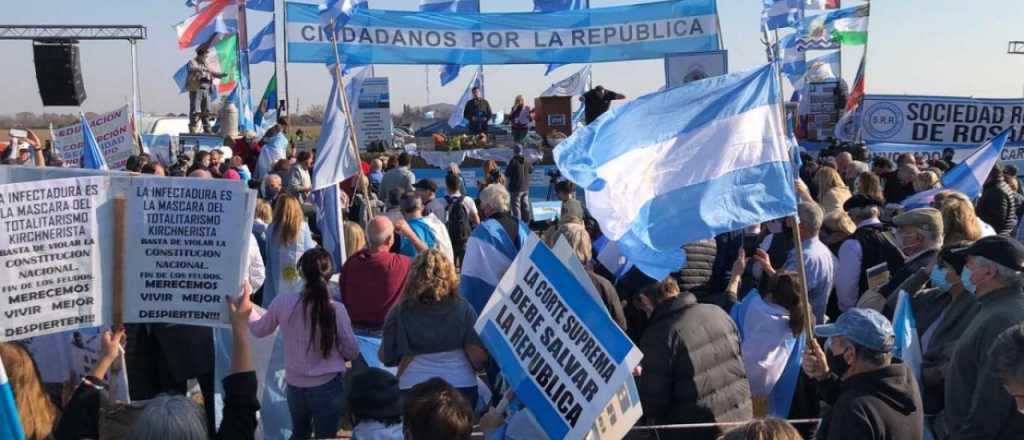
{"x": 58, "y": 73}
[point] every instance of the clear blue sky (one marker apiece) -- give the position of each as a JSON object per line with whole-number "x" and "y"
{"x": 940, "y": 47}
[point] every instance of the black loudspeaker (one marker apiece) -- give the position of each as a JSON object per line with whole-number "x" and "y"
{"x": 58, "y": 73}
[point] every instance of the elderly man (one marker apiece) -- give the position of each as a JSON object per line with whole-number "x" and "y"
{"x": 867, "y": 248}
{"x": 870, "y": 397}
{"x": 843, "y": 161}
{"x": 271, "y": 188}
{"x": 819, "y": 263}
{"x": 853, "y": 171}
{"x": 400, "y": 178}
{"x": 919, "y": 234}
{"x": 429, "y": 232}
{"x": 299, "y": 182}
{"x": 977, "y": 404}
{"x": 491, "y": 247}
{"x": 372, "y": 279}
{"x": 1008, "y": 355}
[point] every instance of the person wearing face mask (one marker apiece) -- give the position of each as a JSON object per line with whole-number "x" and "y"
{"x": 870, "y": 396}
{"x": 977, "y": 404}
{"x": 942, "y": 312}
{"x": 919, "y": 236}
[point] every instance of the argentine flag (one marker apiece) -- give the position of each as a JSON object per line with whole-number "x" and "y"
{"x": 10, "y": 424}
{"x": 685, "y": 164}
{"x": 779, "y": 14}
{"x": 92, "y": 154}
{"x": 261, "y": 49}
{"x": 336, "y": 12}
{"x": 908, "y": 345}
{"x": 968, "y": 176}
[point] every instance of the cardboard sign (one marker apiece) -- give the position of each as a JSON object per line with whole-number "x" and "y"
{"x": 49, "y": 256}
{"x": 113, "y": 131}
{"x": 559, "y": 349}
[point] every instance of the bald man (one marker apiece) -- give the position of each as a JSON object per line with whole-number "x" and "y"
{"x": 201, "y": 174}
{"x": 373, "y": 278}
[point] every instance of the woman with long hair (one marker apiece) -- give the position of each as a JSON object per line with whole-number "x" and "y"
{"x": 318, "y": 340}
{"x": 869, "y": 184}
{"x": 288, "y": 237}
{"x": 521, "y": 118}
{"x": 770, "y": 321}
{"x": 355, "y": 238}
{"x": 959, "y": 222}
{"x": 832, "y": 191}
{"x": 35, "y": 410}
{"x": 430, "y": 331}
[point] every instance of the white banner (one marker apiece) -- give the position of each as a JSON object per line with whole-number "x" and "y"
{"x": 49, "y": 256}
{"x": 559, "y": 349}
{"x": 937, "y": 120}
{"x": 373, "y": 112}
{"x": 113, "y": 131}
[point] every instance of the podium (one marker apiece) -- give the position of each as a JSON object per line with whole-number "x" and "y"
{"x": 553, "y": 113}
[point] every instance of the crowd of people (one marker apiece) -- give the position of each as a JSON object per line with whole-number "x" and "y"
{"x": 725, "y": 338}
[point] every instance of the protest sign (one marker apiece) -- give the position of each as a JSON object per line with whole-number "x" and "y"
{"x": 49, "y": 256}
{"x": 938, "y": 120}
{"x": 589, "y": 35}
{"x": 373, "y": 113}
{"x": 113, "y": 131}
{"x": 558, "y": 348}
{"x": 187, "y": 244}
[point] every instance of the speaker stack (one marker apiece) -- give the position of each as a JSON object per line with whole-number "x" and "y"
{"x": 58, "y": 72}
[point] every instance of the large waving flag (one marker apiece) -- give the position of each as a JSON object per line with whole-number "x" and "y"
{"x": 337, "y": 12}
{"x": 268, "y": 102}
{"x": 968, "y": 176}
{"x": 223, "y": 58}
{"x": 778, "y": 14}
{"x": 450, "y": 71}
{"x": 10, "y": 423}
{"x": 848, "y": 126}
{"x": 456, "y": 120}
{"x": 261, "y": 49}
{"x": 220, "y": 16}
{"x": 661, "y": 175}
{"x": 574, "y": 85}
{"x": 92, "y": 154}
{"x": 908, "y": 344}
{"x": 554, "y": 6}
{"x": 336, "y": 161}
{"x": 849, "y": 26}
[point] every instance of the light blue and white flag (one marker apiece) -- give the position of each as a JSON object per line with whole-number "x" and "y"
{"x": 260, "y": 5}
{"x": 968, "y": 176}
{"x": 261, "y": 48}
{"x": 92, "y": 154}
{"x": 337, "y": 12}
{"x": 456, "y": 119}
{"x": 558, "y": 5}
{"x": 489, "y": 253}
{"x": 661, "y": 175}
{"x": 10, "y": 423}
{"x": 573, "y": 85}
{"x": 778, "y": 14}
{"x": 770, "y": 350}
{"x": 450, "y": 71}
{"x": 331, "y": 220}
{"x": 180, "y": 78}
{"x": 336, "y": 161}
{"x": 821, "y": 68}
{"x": 908, "y": 344}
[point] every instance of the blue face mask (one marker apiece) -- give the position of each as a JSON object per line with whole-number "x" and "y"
{"x": 938, "y": 279}
{"x": 965, "y": 277}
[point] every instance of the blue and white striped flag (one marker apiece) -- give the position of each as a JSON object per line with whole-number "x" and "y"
{"x": 456, "y": 119}
{"x": 92, "y": 154}
{"x": 778, "y": 14}
{"x": 554, "y": 6}
{"x": 573, "y": 85}
{"x": 968, "y": 176}
{"x": 450, "y": 71}
{"x": 489, "y": 253}
{"x": 331, "y": 221}
{"x": 336, "y": 161}
{"x": 337, "y": 12}
{"x": 661, "y": 175}
{"x": 261, "y": 48}
{"x": 10, "y": 424}
{"x": 908, "y": 344}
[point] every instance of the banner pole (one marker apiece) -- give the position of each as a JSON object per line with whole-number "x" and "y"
{"x": 348, "y": 114}
{"x": 118, "y": 290}
{"x": 287, "y": 96}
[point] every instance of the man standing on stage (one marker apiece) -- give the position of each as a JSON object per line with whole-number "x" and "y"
{"x": 597, "y": 101}
{"x": 200, "y": 79}
{"x": 478, "y": 113}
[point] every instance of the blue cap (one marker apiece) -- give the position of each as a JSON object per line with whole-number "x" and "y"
{"x": 865, "y": 327}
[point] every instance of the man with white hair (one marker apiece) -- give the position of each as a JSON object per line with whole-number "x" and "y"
{"x": 491, "y": 247}
{"x": 978, "y": 406}
{"x": 372, "y": 279}
{"x": 919, "y": 234}
{"x": 853, "y": 171}
{"x": 868, "y": 247}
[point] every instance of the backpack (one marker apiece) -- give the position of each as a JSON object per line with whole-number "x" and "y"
{"x": 458, "y": 220}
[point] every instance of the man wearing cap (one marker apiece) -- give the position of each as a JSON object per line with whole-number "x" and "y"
{"x": 977, "y": 404}
{"x": 426, "y": 189}
{"x": 868, "y": 247}
{"x": 919, "y": 234}
{"x": 870, "y": 397}
{"x": 428, "y": 229}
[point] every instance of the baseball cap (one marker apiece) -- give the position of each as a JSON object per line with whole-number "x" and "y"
{"x": 426, "y": 184}
{"x": 865, "y": 327}
{"x": 862, "y": 201}
{"x": 1005, "y": 251}
{"x": 929, "y": 219}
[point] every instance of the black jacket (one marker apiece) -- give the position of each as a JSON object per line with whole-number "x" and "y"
{"x": 998, "y": 207}
{"x": 518, "y": 174}
{"x": 595, "y": 105}
{"x": 478, "y": 113}
{"x": 695, "y": 275}
{"x": 609, "y": 297}
{"x": 81, "y": 417}
{"x": 878, "y": 405}
{"x": 692, "y": 368}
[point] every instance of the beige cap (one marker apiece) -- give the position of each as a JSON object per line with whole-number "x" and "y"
{"x": 929, "y": 219}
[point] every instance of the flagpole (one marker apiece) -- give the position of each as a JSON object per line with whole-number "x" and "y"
{"x": 344, "y": 105}
{"x": 284, "y": 43}
{"x": 244, "y": 83}
{"x": 795, "y": 229}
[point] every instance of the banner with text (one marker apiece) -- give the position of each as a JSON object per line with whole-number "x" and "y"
{"x": 620, "y": 33}
{"x": 186, "y": 249}
{"x": 558, "y": 348}
{"x": 373, "y": 112}
{"x": 113, "y": 131}
{"x": 938, "y": 120}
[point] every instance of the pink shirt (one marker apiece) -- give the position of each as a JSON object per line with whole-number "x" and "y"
{"x": 304, "y": 366}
